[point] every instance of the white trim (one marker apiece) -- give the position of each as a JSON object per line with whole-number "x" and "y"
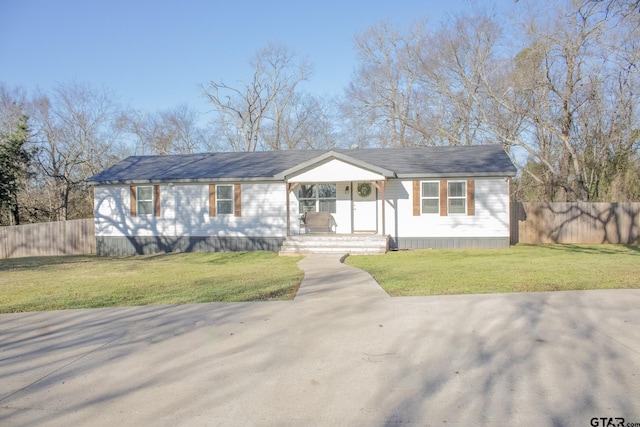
{"x": 141, "y": 200}
{"x": 463, "y": 197}
{"x": 219, "y": 199}
{"x": 422, "y": 197}
{"x": 317, "y": 199}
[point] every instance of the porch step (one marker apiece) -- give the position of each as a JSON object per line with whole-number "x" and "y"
{"x": 335, "y": 243}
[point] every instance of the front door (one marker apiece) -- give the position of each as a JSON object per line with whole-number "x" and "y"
{"x": 365, "y": 208}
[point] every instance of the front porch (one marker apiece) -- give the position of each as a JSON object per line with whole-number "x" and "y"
{"x": 350, "y": 191}
{"x": 335, "y": 243}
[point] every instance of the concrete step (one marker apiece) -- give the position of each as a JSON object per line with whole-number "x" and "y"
{"x": 333, "y": 244}
{"x": 353, "y": 244}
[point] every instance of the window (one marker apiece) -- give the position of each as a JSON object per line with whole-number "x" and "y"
{"x": 457, "y": 197}
{"x": 224, "y": 199}
{"x": 317, "y": 198}
{"x": 445, "y": 197}
{"x": 307, "y": 198}
{"x": 327, "y": 198}
{"x": 144, "y": 199}
{"x": 431, "y": 197}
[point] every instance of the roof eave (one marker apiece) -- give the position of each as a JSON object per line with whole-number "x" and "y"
{"x": 180, "y": 181}
{"x": 282, "y": 179}
{"x": 457, "y": 175}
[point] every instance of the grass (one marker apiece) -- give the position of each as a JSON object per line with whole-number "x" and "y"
{"x": 55, "y": 283}
{"x": 523, "y": 268}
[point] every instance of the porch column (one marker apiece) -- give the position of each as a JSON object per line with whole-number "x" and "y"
{"x": 380, "y": 185}
{"x": 288, "y": 209}
{"x": 289, "y": 188}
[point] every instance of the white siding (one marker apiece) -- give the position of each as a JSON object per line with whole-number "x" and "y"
{"x": 112, "y": 209}
{"x": 491, "y": 217}
{"x": 186, "y": 207}
{"x": 264, "y": 211}
{"x": 185, "y": 212}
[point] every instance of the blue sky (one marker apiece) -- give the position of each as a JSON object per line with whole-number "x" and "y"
{"x": 155, "y": 54}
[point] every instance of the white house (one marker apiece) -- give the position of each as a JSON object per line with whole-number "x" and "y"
{"x": 427, "y": 197}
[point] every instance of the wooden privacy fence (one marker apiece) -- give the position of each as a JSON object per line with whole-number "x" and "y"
{"x": 575, "y": 223}
{"x": 531, "y": 222}
{"x": 76, "y": 237}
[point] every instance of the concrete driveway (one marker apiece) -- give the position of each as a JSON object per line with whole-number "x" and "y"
{"x": 333, "y": 358}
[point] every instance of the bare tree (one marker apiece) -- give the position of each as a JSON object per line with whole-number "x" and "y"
{"x": 243, "y": 111}
{"x": 75, "y": 138}
{"x": 381, "y": 94}
{"x": 137, "y": 124}
{"x": 562, "y": 87}
{"x": 421, "y": 86}
{"x": 171, "y": 131}
{"x": 188, "y": 137}
{"x": 307, "y": 124}
{"x": 13, "y": 104}
{"x": 563, "y": 106}
{"x": 459, "y": 54}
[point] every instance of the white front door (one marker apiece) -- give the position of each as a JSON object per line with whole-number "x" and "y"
{"x": 365, "y": 210}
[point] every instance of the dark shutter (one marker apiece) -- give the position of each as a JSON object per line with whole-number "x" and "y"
{"x": 416, "y": 198}
{"x": 471, "y": 203}
{"x": 132, "y": 198}
{"x": 237, "y": 199}
{"x": 156, "y": 200}
{"x": 443, "y": 198}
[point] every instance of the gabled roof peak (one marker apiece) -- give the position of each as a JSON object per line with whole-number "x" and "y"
{"x": 329, "y": 155}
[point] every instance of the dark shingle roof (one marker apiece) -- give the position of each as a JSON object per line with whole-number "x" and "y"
{"x": 475, "y": 160}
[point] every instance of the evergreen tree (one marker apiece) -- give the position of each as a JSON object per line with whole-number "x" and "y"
{"x": 14, "y": 164}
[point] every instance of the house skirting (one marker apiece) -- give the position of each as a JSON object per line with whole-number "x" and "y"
{"x": 448, "y": 242}
{"x": 142, "y": 245}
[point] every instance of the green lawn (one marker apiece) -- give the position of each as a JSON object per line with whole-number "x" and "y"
{"x": 52, "y": 283}
{"x": 522, "y": 268}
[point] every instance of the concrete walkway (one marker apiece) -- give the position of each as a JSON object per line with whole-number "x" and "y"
{"x": 326, "y": 276}
{"x": 341, "y": 354}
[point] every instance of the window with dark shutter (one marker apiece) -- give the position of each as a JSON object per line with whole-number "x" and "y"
{"x": 144, "y": 199}
{"x": 457, "y": 197}
{"x": 430, "y": 197}
{"x": 445, "y": 197}
{"x": 224, "y": 199}
{"x": 471, "y": 202}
